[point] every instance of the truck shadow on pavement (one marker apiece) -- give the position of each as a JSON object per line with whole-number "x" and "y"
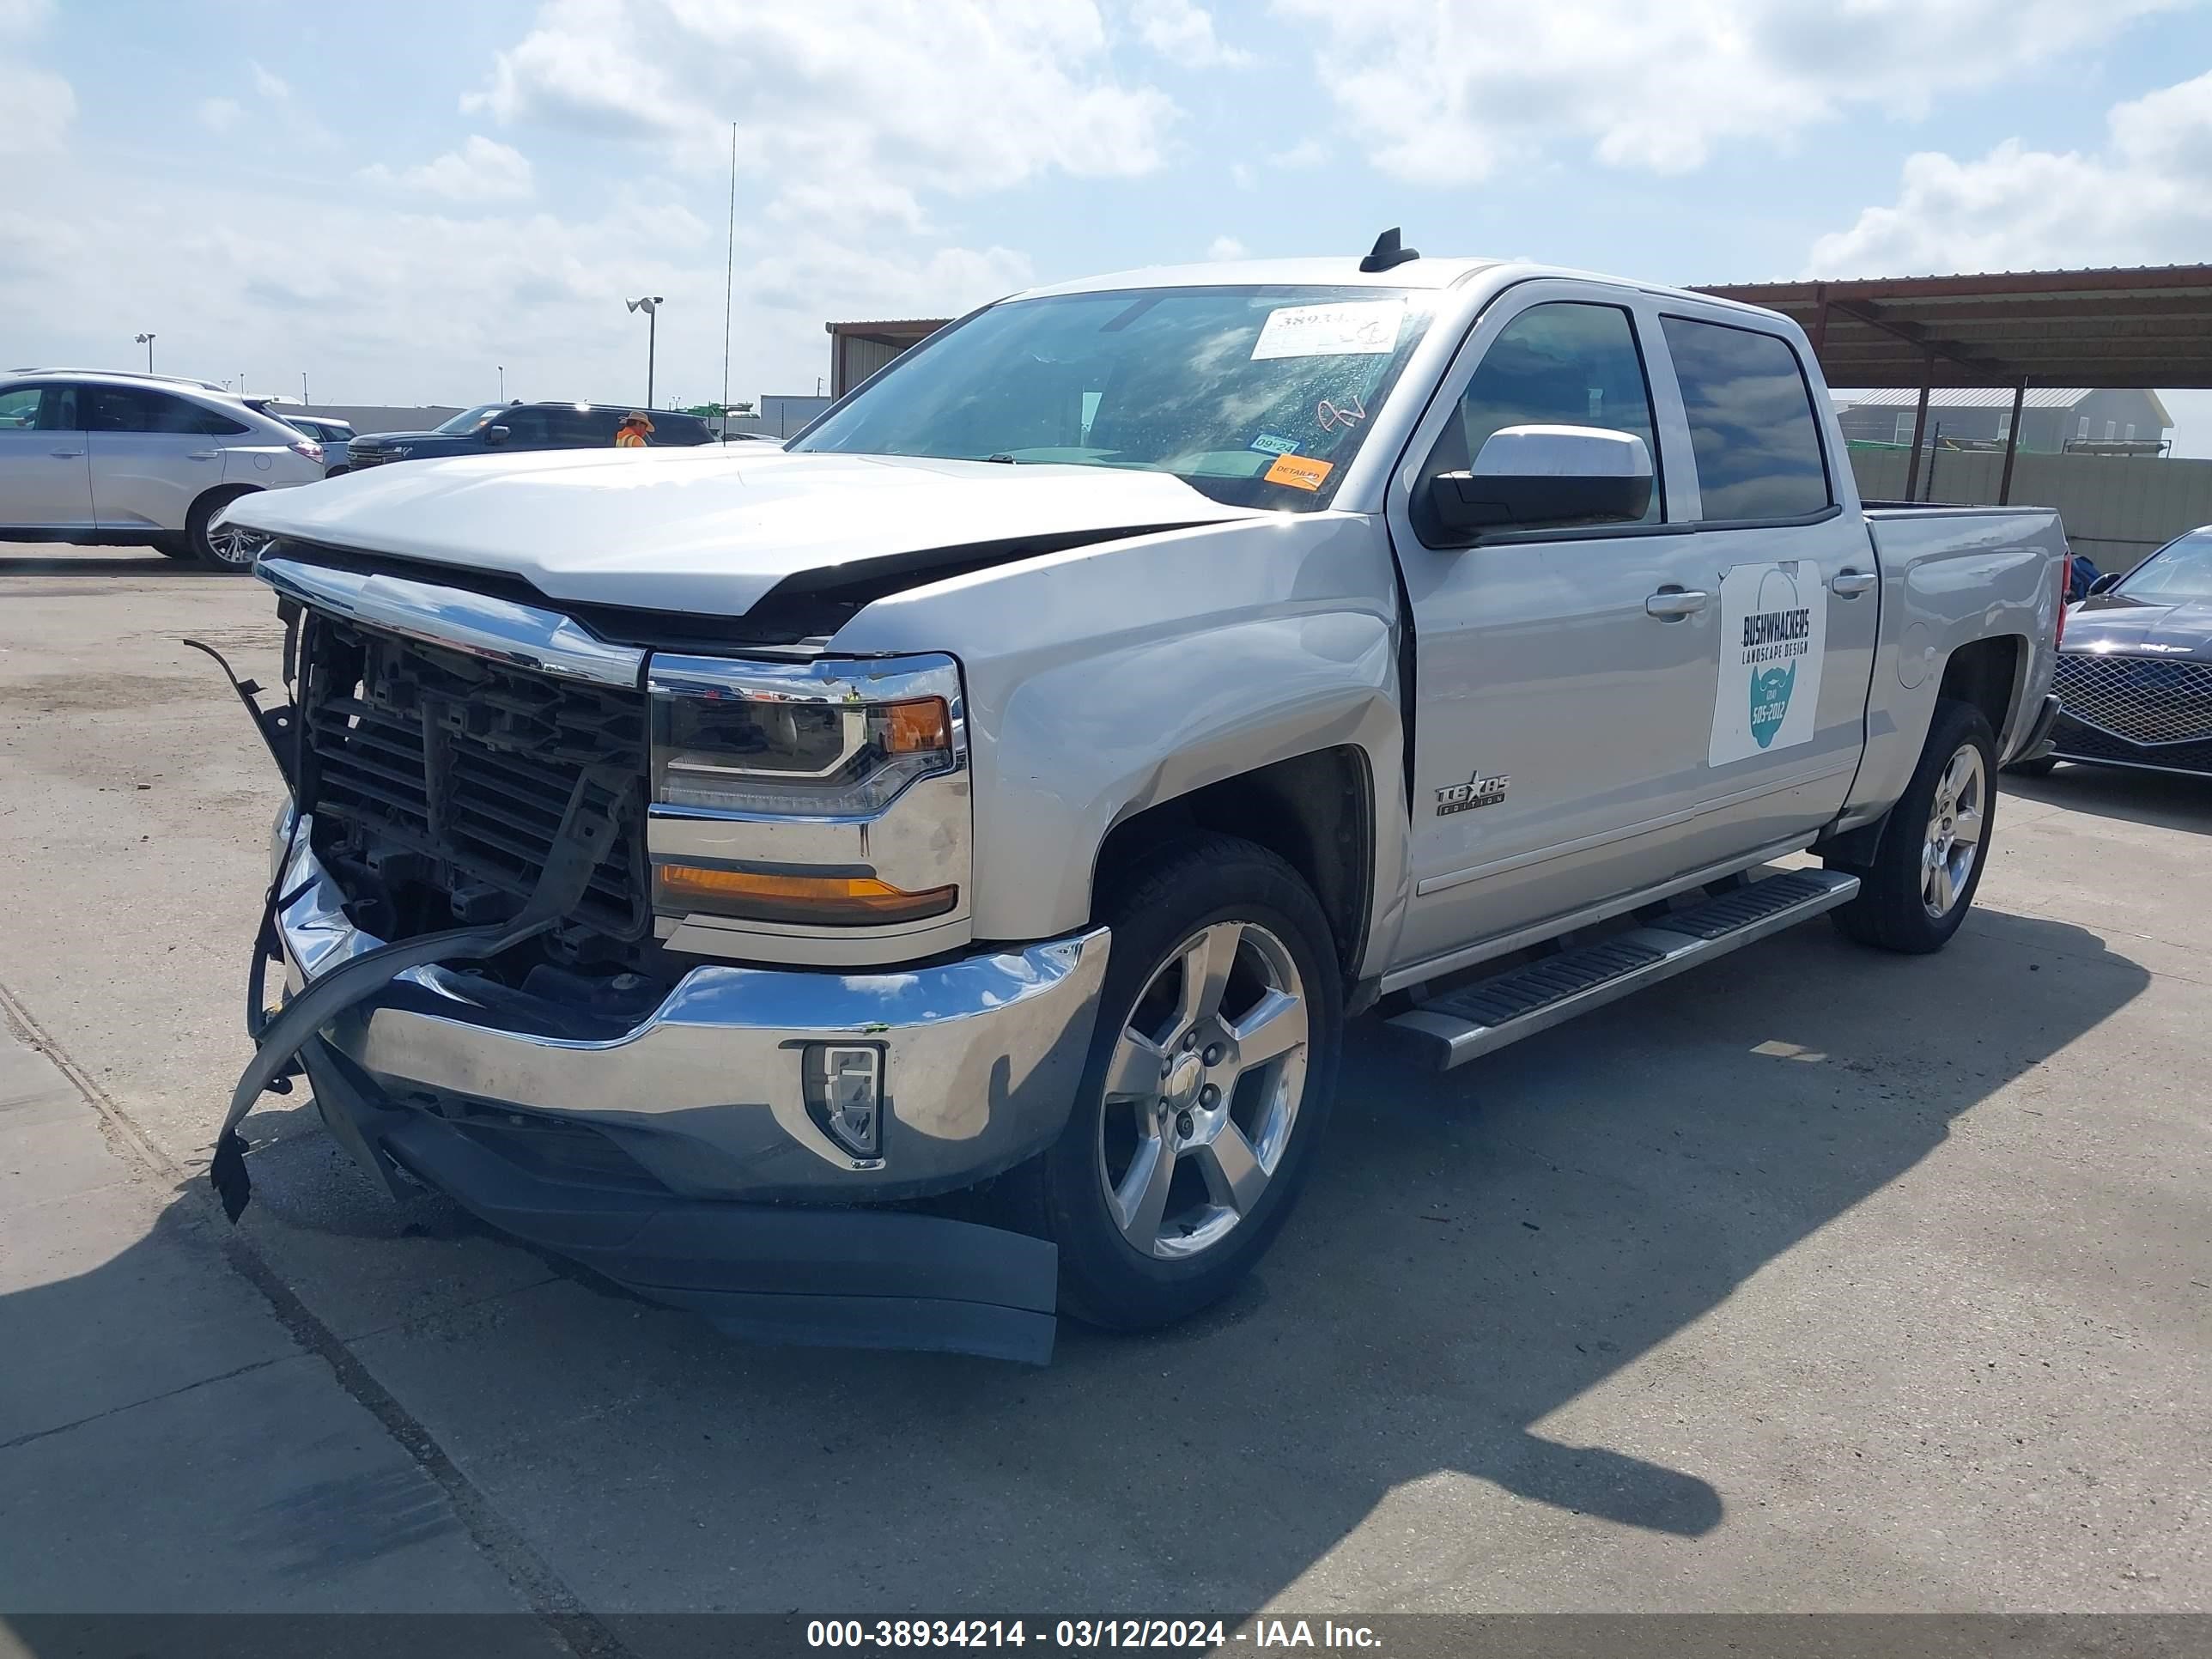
{"x": 1480, "y": 1258}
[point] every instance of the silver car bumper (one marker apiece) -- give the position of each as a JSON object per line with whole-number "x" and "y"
{"x": 982, "y": 1057}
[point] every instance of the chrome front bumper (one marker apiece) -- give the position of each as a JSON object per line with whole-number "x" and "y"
{"x": 981, "y": 1058}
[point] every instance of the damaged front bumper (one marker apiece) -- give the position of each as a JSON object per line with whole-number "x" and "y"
{"x": 680, "y": 1154}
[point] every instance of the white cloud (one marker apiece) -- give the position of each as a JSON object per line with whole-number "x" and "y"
{"x": 482, "y": 170}
{"x": 274, "y": 88}
{"x": 1447, "y": 94}
{"x": 1184, "y": 33}
{"x": 960, "y": 97}
{"x": 2144, "y": 198}
{"x": 39, "y": 105}
{"x": 1227, "y": 247}
{"x": 221, "y": 114}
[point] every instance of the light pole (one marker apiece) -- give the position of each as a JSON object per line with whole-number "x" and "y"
{"x": 303, "y": 386}
{"x": 147, "y": 340}
{"x": 651, "y": 307}
{"x": 503, "y": 383}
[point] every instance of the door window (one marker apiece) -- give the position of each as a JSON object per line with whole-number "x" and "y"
{"x": 524, "y": 426}
{"x": 129, "y": 408}
{"x": 19, "y": 407}
{"x": 1567, "y": 363}
{"x": 1752, "y": 429}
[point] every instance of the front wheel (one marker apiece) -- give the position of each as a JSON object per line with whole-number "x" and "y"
{"x": 1206, "y": 1089}
{"x": 227, "y": 548}
{"x": 1929, "y": 858}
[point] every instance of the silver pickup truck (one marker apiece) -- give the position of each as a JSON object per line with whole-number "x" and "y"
{"x": 893, "y": 888}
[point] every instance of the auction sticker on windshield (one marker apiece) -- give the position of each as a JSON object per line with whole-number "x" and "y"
{"x": 1299, "y": 471}
{"x": 1774, "y": 634}
{"x": 1357, "y": 328}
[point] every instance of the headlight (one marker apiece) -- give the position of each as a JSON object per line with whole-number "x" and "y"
{"x": 742, "y": 753}
{"x": 777, "y": 790}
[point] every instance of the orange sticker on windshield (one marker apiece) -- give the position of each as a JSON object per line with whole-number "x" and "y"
{"x": 1299, "y": 471}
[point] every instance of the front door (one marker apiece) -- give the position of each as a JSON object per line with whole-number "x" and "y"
{"x": 46, "y": 480}
{"x": 1564, "y": 679}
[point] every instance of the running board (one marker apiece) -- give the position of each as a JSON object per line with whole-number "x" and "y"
{"x": 1506, "y": 1007}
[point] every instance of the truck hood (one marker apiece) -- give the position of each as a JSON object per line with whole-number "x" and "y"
{"x": 712, "y": 530}
{"x": 2175, "y": 632}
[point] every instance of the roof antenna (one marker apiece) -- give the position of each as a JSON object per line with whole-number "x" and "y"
{"x": 1387, "y": 254}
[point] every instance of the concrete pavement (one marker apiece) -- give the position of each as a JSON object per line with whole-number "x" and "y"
{"x": 1818, "y": 1279}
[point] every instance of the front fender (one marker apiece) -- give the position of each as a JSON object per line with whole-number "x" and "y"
{"x": 1107, "y": 679}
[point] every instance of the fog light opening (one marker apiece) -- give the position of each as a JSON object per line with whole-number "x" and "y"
{"x": 844, "y": 1085}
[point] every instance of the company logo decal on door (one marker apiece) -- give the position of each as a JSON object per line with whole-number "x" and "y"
{"x": 1477, "y": 791}
{"x": 1774, "y": 636}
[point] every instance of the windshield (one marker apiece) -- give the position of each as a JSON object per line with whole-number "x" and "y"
{"x": 470, "y": 419}
{"x": 1258, "y": 397}
{"x": 2182, "y": 569}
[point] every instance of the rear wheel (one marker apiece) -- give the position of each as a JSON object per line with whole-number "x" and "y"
{"x": 1206, "y": 1089}
{"x": 1928, "y": 861}
{"x": 225, "y": 547}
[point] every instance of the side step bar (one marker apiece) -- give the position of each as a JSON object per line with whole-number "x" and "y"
{"x": 1506, "y": 1007}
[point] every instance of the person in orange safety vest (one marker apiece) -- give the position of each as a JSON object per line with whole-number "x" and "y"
{"x": 634, "y": 431}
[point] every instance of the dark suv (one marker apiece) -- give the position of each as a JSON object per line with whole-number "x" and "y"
{"x": 489, "y": 427}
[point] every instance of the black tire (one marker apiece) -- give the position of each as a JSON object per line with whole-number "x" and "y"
{"x": 1894, "y": 910}
{"x": 1177, "y": 895}
{"x": 173, "y": 547}
{"x": 2042, "y": 766}
{"x": 207, "y": 546}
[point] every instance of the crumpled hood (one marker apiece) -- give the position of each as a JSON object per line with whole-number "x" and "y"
{"x": 709, "y": 530}
{"x": 2176, "y": 632}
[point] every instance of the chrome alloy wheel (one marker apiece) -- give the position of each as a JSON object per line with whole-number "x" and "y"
{"x": 1203, "y": 1089}
{"x": 234, "y": 545}
{"x": 1954, "y": 831}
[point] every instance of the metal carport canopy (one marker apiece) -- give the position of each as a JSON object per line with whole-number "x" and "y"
{"x": 2142, "y": 326}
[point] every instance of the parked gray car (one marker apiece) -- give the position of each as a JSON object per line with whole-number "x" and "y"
{"x": 132, "y": 461}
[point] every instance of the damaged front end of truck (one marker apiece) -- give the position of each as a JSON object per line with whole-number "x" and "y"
{"x": 541, "y": 903}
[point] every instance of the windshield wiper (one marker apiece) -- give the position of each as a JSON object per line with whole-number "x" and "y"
{"x": 1008, "y": 459}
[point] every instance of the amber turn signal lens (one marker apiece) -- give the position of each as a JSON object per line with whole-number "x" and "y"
{"x": 833, "y": 900}
{"x": 919, "y": 727}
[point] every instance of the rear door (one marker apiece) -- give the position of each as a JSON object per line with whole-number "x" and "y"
{"x": 526, "y": 429}
{"x": 1793, "y": 579}
{"x": 1564, "y": 678}
{"x": 46, "y": 480}
{"x": 153, "y": 454}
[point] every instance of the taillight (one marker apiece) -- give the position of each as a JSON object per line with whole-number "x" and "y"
{"x": 308, "y": 449}
{"x": 2065, "y": 587}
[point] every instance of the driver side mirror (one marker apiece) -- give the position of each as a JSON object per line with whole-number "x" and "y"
{"x": 1538, "y": 478}
{"x": 497, "y": 435}
{"x": 2105, "y": 584}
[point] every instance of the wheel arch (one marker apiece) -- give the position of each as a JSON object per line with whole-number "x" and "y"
{"x": 1991, "y": 674}
{"x": 1314, "y": 810}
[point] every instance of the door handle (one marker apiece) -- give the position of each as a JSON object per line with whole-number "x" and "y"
{"x": 204, "y": 455}
{"x": 67, "y": 454}
{"x": 1673, "y": 604}
{"x": 1850, "y": 584}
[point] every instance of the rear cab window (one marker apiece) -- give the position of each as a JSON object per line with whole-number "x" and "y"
{"x": 1752, "y": 430}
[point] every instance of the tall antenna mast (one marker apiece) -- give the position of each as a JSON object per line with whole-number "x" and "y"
{"x": 729, "y": 279}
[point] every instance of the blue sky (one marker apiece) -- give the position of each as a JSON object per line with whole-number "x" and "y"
{"x": 397, "y": 199}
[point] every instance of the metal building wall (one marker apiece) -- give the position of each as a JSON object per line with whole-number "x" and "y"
{"x": 861, "y": 358}
{"x": 2116, "y": 510}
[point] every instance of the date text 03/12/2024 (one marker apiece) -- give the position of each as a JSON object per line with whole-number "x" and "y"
{"x": 1188, "y": 1635}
